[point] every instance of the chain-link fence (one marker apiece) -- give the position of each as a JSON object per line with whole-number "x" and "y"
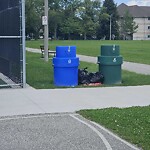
{"x": 12, "y": 59}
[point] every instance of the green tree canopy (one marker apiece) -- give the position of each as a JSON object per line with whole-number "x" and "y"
{"x": 55, "y": 17}
{"x": 77, "y": 19}
{"x": 33, "y": 14}
{"x": 109, "y": 11}
{"x": 127, "y": 26}
{"x": 88, "y": 13}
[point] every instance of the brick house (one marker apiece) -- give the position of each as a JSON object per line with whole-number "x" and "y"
{"x": 141, "y": 15}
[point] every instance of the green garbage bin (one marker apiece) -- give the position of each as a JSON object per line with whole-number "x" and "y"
{"x": 110, "y": 50}
{"x": 110, "y": 63}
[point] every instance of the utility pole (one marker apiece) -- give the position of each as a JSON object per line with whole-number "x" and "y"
{"x": 46, "y": 30}
{"x": 110, "y": 27}
{"x": 23, "y": 45}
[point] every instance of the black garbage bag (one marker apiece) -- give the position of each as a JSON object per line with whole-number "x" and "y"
{"x": 96, "y": 77}
{"x": 84, "y": 77}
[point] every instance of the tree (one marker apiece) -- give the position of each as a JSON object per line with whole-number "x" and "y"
{"x": 71, "y": 23}
{"x": 109, "y": 11}
{"x": 88, "y": 13}
{"x": 103, "y": 24}
{"x": 71, "y": 26}
{"x": 68, "y": 19}
{"x": 55, "y": 17}
{"x": 33, "y": 14}
{"x": 127, "y": 26}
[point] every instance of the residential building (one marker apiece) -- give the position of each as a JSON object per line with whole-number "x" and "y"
{"x": 141, "y": 15}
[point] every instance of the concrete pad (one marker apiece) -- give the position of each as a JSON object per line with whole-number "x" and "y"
{"x": 31, "y": 101}
{"x": 14, "y": 102}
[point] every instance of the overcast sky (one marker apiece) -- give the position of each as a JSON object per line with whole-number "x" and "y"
{"x": 134, "y": 2}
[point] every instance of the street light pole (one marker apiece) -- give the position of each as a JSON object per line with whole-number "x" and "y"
{"x": 110, "y": 27}
{"x": 46, "y": 31}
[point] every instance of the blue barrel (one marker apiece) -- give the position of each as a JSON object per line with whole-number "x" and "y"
{"x": 65, "y": 66}
{"x": 65, "y": 51}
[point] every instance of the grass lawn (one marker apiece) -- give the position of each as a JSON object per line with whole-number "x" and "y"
{"x": 40, "y": 73}
{"x": 133, "y": 51}
{"x": 132, "y": 124}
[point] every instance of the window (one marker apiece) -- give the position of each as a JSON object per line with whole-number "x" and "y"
{"x": 148, "y": 18}
{"x": 148, "y": 27}
{"x": 148, "y": 36}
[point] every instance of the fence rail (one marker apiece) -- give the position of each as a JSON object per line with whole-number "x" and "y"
{"x": 10, "y": 37}
{"x": 12, "y": 43}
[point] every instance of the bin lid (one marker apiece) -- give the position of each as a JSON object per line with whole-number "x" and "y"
{"x": 110, "y": 50}
{"x": 65, "y": 51}
{"x": 65, "y": 62}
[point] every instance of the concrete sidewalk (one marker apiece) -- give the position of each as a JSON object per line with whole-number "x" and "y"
{"x": 37, "y": 129}
{"x": 31, "y": 101}
{"x": 130, "y": 66}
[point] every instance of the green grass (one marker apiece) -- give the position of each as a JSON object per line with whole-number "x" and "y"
{"x": 40, "y": 73}
{"x": 133, "y": 51}
{"x": 132, "y": 124}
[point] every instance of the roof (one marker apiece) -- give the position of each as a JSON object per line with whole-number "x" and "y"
{"x": 135, "y": 11}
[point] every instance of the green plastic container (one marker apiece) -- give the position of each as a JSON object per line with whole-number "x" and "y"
{"x": 110, "y": 64}
{"x": 110, "y": 50}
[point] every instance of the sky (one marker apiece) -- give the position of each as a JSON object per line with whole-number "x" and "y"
{"x": 134, "y": 2}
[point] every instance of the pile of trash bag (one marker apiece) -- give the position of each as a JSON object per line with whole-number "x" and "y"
{"x": 85, "y": 77}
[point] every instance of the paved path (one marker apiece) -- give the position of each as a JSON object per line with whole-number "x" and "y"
{"x": 134, "y": 67}
{"x": 57, "y": 132}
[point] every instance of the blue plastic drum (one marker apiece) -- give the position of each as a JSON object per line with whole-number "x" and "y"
{"x": 66, "y": 66}
{"x": 65, "y": 51}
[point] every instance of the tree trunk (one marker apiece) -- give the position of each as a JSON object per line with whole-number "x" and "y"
{"x": 84, "y": 36}
{"x": 55, "y": 32}
{"x": 69, "y": 38}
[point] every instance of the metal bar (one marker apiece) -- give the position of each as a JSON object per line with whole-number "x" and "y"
{"x": 7, "y": 85}
{"x": 110, "y": 27}
{"x": 10, "y": 37}
{"x": 46, "y": 31}
{"x": 23, "y": 43}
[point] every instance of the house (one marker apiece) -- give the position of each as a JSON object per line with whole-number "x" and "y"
{"x": 141, "y": 15}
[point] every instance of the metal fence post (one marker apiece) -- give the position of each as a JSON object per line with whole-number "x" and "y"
{"x": 46, "y": 31}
